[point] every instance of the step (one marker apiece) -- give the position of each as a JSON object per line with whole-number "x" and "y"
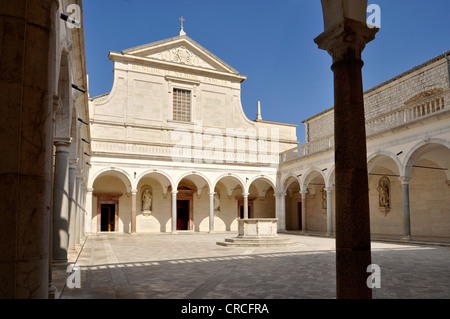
{"x": 257, "y": 242}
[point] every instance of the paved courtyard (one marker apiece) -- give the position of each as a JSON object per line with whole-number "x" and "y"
{"x": 193, "y": 266}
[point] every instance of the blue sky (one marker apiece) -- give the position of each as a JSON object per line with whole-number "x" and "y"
{"x": 271, "y": 42}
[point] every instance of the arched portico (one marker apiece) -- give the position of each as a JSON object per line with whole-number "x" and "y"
{"x": 151, "y": 202}
{"x": 292, "y": 202}
{"x": 110, "y": 204}
{"x": 228, "y": 191}
{"x": 385, "y": 194}
{"x": 260, "y": 199}
{"x": 314, "y": 201}
{"x": 426, "y": 179}
{"x": 192, "y": 203}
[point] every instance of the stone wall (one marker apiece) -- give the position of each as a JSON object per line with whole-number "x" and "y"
{"x": 428, "y": 78}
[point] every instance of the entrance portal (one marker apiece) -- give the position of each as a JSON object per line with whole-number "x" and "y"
{"x": 107, "y": 211}
{"x": 108, "y": 217}
{"x": 183, "y": 214}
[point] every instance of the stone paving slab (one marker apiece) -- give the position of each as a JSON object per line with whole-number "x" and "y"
{"x": 193, "y": 266}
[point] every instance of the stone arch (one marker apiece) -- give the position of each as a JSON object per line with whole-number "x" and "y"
{"x": 232, "y": 176}
{"x": 117, "y": 172}
{"x": 197, "y": 181}
{"x": 421, "y": 149}
{"x": 111, "y": 203}
{"x": 157, "y": 218}
{"x": 311, "y": 175}
{"x": 427, "y": 175}
{"x": 261, "y": 191}
{"x": 193, "y": 191}
{"x": 289, "y": 179}
{"x": 229, "y": 188}
{"x": 331, "y": 177}
{"x": 314, "y": 212}
{"x": 266, "y": 178}
{"x": 385, "y": 193}
{"x": 292, "y": 201}
{"x": 374, "y": 158}
{"x": 156, "y": 172}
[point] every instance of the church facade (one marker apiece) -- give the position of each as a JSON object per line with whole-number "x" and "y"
{"x": 172, "y": 149}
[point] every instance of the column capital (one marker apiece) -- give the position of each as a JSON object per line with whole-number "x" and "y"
{"x": 329, "y": 189}
{"x": 89, "y": 190}
{"x": 245, "y": 194}
{"x": 212, "y": 193}
{"x": 134, "y": 191}
{"x": 279, "y": 195}
{"x": 404, "y": 179}
{"x": 62, "y": 142}
{"x": 174, "y": 192}
{"x": 346, "y": 39}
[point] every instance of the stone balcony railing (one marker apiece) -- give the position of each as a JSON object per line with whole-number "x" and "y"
{"x": 407, "y": 114}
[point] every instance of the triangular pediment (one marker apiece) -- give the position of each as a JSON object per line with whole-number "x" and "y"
{"x": 181, "y": 50}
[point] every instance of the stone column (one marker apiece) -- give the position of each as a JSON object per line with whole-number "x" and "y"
{"x": 174, "y": 212}
{"x": 72, "y": 206}
{"x": 26, "y": 147}
{"x": 211, "y": 212}
{"x": 245, "y": 205}
{"x": 133, "y": 211}
{"x": 329, "y": 210}
{"x": 406, "y": 208}
{"x": 304, "y": 211}
{"x": 345, "y": 41}
{"x": 88, "y": 208}
{"x": 61, "y": 201}
{"x": 280, "y": 208}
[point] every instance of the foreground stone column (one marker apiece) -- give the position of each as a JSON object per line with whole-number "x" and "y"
{"x": 26, "y": 144}
{"x": 174, "y": 212}
{"x": 406, "y": 208}
{"x": 345, "y": 41}
{"x": 211, "y": 212}
{"x": 133, "y": 211}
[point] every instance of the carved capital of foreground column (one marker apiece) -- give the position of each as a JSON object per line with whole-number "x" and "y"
{"x": 346, "y": 39}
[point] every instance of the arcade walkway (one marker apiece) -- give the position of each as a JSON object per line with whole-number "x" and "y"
{"x": 192, "y": 266}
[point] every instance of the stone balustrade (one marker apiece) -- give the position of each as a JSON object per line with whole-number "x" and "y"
{"x": 407, "y": 114}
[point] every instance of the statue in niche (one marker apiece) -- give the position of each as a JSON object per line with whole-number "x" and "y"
{"x": 384, "y": 201}
{"x": 216, "y": 203}
{"x": 324, "y": 198}
{"x": 147, "y": 202}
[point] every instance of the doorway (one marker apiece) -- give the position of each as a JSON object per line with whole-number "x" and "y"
{"x": 183, "y": 214}
{"x": 107, "y": 217}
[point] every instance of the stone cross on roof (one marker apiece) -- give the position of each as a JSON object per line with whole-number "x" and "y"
{"x": 182, "y": 27}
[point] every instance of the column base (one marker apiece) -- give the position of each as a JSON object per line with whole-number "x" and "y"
{"x": 406, "y": 238}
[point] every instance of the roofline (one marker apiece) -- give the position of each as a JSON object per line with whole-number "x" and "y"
{"x": 132, "y": 58}
{"x": 418, "y": 67}
{"x": 180, "y": 37}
